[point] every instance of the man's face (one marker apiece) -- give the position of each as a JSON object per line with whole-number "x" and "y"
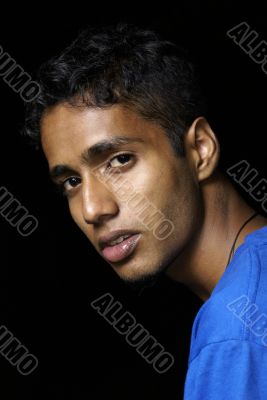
{"x": 84, "y": 147}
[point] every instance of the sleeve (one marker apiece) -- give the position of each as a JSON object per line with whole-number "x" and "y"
{"x": 228, "y": 370}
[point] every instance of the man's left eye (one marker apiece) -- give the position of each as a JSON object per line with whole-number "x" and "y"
{"x": 119, "y": 160}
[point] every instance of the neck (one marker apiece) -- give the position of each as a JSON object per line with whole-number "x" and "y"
{"x": 203, "y": 261}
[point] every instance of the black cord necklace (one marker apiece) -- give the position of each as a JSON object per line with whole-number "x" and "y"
{"x": 233, "y": 246}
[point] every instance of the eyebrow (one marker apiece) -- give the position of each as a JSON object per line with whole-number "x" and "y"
{"x": 109, "y": 145}
{"x": 98, "y": 149}
{"x": 60, "y": 171}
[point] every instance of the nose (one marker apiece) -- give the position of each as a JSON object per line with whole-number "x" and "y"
{"x": 98, "y": 202}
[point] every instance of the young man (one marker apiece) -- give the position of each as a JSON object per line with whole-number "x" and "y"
{"x": 121, "y": 121}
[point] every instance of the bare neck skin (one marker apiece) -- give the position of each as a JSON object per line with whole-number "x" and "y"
{"x": 203, "y": 261}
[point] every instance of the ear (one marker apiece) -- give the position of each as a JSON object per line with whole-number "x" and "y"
{"x": 202, "y": 148}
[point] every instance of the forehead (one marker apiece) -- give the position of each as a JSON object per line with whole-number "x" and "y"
{"x": 67, "y": 131}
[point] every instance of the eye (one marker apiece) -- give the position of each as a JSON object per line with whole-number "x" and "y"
{"x": 70, "y": 183}
{"x": 120, "y": 160}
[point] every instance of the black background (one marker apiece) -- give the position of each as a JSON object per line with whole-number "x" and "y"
{"x": 49, "y": 278}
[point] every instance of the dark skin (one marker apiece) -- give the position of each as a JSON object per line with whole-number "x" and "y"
{"x": 203, "y": 205}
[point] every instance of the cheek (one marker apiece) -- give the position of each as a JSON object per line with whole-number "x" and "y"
{"x": 180, "y": 200}
{"x": 148, "y": 179}
{"x": 160, "y": 186}
{"x": 76, "y": 213}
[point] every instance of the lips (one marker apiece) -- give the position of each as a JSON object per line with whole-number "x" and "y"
{"x": 117, "y": 246}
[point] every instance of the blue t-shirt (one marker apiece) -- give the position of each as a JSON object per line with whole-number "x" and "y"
{"x": 228, "y": 351}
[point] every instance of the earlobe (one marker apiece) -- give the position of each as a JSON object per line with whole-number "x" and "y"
{"x": 203, "y": 148}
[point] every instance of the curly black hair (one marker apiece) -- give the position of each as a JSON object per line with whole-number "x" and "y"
{"x": 121, "y": 64}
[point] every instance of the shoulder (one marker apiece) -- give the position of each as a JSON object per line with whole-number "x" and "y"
{"x": 237, "y": 308}
{"x": 232, "y": 369}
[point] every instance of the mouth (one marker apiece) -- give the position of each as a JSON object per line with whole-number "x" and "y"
{"x": 120, "y": 246}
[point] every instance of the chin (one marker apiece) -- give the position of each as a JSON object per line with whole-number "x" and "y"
{"x": 142, "y": 282}
{"x": 139, "y": 277}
